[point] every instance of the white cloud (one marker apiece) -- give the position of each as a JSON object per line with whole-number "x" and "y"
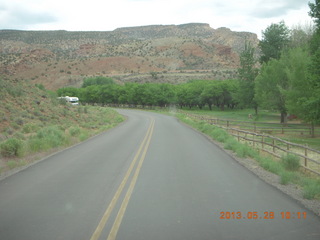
{"x": 105, "y": 15}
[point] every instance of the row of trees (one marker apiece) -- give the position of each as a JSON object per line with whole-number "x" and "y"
{"x": 288, "y": 79}
{"x": 196, "y": 93}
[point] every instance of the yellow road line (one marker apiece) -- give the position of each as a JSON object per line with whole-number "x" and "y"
{"x": 117, "y": 222}
{"x": 115, "y": 198}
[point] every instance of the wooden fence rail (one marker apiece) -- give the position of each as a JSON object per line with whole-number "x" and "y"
{"x": 264, "y": 127}
{"x": 309, "y": 158}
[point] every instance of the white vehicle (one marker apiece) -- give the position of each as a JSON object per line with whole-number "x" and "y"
{"x": 71, "y": 100}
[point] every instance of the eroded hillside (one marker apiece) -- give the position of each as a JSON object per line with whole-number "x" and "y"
{"x": 177, "y": 53}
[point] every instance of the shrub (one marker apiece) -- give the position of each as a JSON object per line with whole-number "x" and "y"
{"x": 11, "y": 147}
{"x": 286, "y": 177}
{"x": 84, "y": 135}
{"x": 230, "y": 144}
{"x": 52, "y": 136}
{"x": 19, "y": 121}
{"x": 270, "y": 165}
{"x": 29, "y": 128}
{"x": 74, "y": 131}
{"x": 311, "y": 189}
{"x": 37, "y": 145}
{"x": 291, "y": 162}
{"x": 220, "y": 135}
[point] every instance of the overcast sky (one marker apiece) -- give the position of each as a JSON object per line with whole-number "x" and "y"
{"x": 107, "y": 15}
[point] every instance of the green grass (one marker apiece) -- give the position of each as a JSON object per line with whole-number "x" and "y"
{"x": 264, "y": 120}
{"x": 291, "y": 162}
{"x": 238, "y": 114}
{"x": 12, "y": 164}
{"x": 311, "y": 188}
{"x": 304, "y": 140}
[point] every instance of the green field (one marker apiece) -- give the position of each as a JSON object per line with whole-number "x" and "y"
{"x": 263, "y": 118}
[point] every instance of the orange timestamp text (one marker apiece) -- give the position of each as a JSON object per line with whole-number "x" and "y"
{"x": 262, "y": 215}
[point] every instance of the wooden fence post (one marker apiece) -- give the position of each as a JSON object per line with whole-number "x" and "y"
{"x": 306, "y": 154}
{"x": 273, "y": 145}
{"x": 253, "y": 141}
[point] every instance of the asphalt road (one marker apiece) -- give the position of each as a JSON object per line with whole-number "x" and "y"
{"x": 149, "y": 178}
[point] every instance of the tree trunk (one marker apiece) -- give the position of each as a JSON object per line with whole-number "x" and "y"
{"x": 312, "y": 130}
{"x": 283, "y": 117}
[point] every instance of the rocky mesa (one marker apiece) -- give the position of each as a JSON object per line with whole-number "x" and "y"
{"x": 161, "y": 53}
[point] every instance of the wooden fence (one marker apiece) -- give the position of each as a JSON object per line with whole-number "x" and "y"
{"x": 264, "y": 127}
{"x": 309, "y": 158}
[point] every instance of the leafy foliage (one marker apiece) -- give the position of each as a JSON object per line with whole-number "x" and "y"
{"x": 247, "y": 74}
{"x": 196, "y": 93}
{"x": 97, "y": 81}
{"x": 270, "y": 87}
{"x": 275, "y": 38}
{"x": 315, "y": 12}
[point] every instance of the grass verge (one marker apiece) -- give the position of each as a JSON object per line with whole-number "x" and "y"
{"x": 287, "y": 168}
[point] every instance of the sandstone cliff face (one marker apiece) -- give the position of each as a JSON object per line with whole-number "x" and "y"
{"x": 61, "y": 58}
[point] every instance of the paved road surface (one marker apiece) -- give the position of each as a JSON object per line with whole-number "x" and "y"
{"x": 152, "y": 178}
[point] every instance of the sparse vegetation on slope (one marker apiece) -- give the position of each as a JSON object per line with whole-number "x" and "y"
{"x": 33, "y": 121}
{"x": 61, "y": 58}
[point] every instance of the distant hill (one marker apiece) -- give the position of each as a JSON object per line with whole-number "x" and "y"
{"x": 176, "y": 53}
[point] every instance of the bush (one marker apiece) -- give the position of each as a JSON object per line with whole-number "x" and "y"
{"x": 220, "y": 135}
{"x": 37, "y": 145}
{"x": 74, "y": 131}
{"x": 52, "y": 136}
{"x": 286, "y": 177}
{"x": 230, "y": 144}
{"x": 11, "y": 148}
{"x": 29, "y": 128}
{"x": 270, "y": 165}
{"x": 291, "y": 162}
{"x": 311, "y": 189}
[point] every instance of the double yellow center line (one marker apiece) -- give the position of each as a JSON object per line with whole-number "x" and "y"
{"x": 142, "y": 151}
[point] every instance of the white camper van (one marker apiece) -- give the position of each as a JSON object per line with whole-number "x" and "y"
{"x": 71, "y": 100}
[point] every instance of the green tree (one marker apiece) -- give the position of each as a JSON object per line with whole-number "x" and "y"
{"x": 275, "y": 39}
{"x": 91, "y": 94}
{"x": 164, "y": 94}
{"x": 312, "y": 100}
{"x": 247, "y": 74}
{"x": 270, "y": 85}
{"x": 97, "y": 81}
{"x": 226, "y": 98}
{"x": 68, "y": 91}
{"x": 303, "y": 96}
{"x": 301, "y": 35}
{"x": 211, "y": 94}
{"x": 315, "y": 12}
